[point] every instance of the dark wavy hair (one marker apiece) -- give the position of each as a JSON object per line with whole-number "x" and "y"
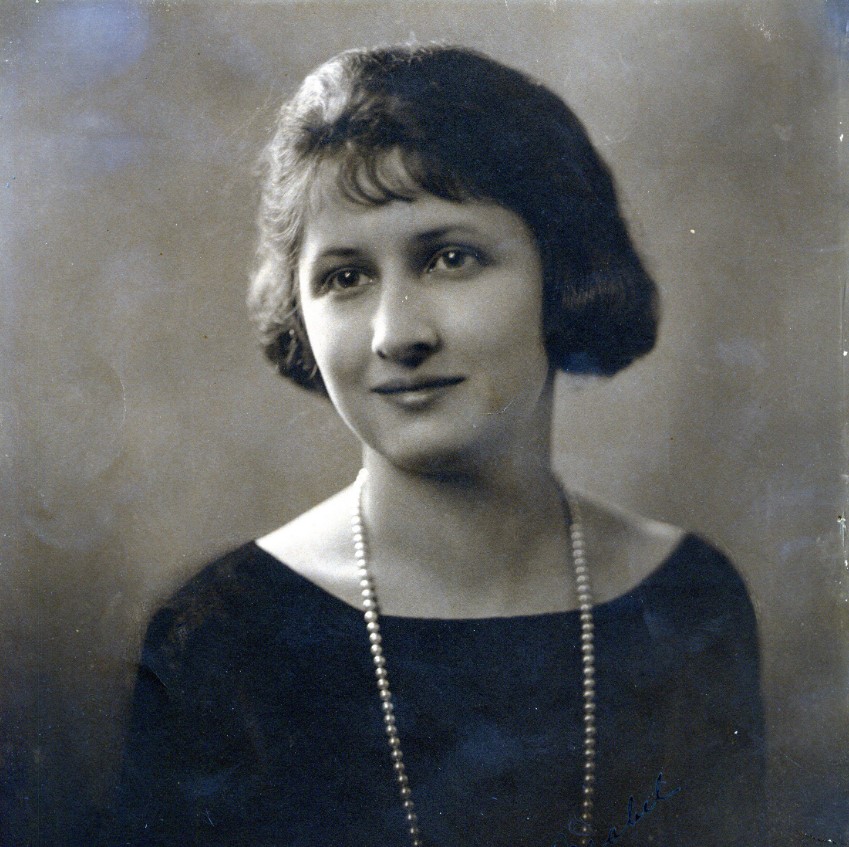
{"x": 466, "y": 128}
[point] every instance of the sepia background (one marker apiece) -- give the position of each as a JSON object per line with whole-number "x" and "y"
{"x": 141, "y": 432}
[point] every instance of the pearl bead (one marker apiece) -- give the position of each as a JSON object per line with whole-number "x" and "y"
{"x": 372, "y": 618}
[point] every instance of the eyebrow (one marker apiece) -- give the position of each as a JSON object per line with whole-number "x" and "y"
{"x": 337, "y": 253}
{"x": 425, "y": 236}
{"x": 438, "y": 233}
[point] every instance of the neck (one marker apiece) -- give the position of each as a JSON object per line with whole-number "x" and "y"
{"x": 473, "y": 538}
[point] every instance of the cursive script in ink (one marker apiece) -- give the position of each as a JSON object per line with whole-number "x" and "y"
{"x": 635, "y": 815}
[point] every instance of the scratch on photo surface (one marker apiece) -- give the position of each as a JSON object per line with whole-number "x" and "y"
{"x": 844, "y": 348}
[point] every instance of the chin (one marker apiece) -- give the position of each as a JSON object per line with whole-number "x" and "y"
{"x": 441, "y": 457}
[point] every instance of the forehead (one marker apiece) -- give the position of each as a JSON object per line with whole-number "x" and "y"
{"x": 363, "y": 179}
{"x": 399, "y": 209}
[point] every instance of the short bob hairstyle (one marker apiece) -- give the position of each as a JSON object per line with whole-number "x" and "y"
{"x": 466, "y": 128}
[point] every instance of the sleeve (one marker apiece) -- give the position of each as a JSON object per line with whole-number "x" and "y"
{"x": 150, "y": 806}
{"x": 213, "y": 741}
{"x": 716, "y": 736}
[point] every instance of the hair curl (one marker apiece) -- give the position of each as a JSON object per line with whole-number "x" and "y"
{"x": 465, "y": 127}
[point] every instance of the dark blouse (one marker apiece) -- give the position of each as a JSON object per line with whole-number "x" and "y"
{"x": 256, "y": 719}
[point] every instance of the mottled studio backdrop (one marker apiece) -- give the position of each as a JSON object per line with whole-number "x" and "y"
{"x": 140, "y": 431}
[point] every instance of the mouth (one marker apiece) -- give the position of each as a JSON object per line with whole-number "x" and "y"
{"x": 401, "y": 387}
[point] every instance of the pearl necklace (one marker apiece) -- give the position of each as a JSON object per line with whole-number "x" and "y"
{"x": 372, "y": 618}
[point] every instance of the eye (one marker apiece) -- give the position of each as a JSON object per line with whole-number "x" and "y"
{"x": 345, "y": 279}
{"x": 453, "y": 260}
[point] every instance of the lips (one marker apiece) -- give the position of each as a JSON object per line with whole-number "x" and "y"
{"x": 394, "y": 387}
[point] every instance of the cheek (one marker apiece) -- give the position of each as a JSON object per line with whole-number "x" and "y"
{"x": 512, "y": 362}
{"x": 333, "y": 345}
{"x": 516, "y": 339}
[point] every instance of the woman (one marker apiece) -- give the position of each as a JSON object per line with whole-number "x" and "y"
{"x": 453, "y": 650}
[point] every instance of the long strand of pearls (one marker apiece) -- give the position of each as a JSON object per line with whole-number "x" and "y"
{"x": 585, "y": 606}
{"x": 371, "y": 611}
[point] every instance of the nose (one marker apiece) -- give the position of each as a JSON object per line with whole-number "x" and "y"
{"x": 404, "y": 329}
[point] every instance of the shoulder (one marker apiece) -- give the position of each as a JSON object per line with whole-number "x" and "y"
{"x": 317, "y": 545}
{"x": 234, "y": 578}
{"x": 217, "y": 594}
{"x": 623, "y": 548}
{"x": 235, "y": 605}
{"x": 698, "y": 602}
{"x": 700, "y": 583}
{"x": 630, "y": 553}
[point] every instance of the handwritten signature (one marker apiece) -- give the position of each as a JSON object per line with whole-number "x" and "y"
{"x": 575, "y": 828}
{"x": 823, "y": 840}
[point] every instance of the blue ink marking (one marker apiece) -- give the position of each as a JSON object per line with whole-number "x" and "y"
{"x": 823, "y": 840}
{"x": 574, "y": 826}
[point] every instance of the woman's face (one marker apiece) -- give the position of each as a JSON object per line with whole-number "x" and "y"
{"x": 425, "y": 319}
